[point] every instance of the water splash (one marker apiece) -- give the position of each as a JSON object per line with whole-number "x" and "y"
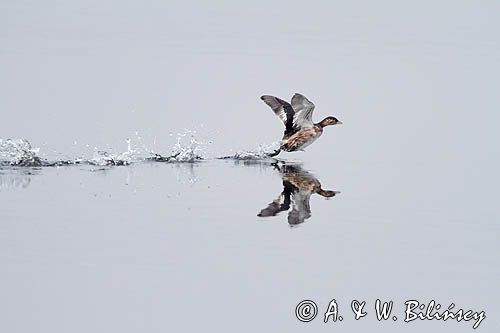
{"x": 186, "y": 149}
{"x": 19, "y": 152}
{"x": 261, "y": 152}
{"x": 104, "y": 158}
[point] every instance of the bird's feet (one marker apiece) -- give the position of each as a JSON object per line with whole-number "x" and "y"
{"x": 276, "y": 152}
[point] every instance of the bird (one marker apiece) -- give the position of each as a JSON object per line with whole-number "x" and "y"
{"x": 300, "y": 131}
{"x": 298, "y": 186}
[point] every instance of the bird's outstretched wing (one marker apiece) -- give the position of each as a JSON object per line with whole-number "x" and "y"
{"x": 283, "y": 110}
{"x": 303, "y": 109}
{"x": 282, "y": 203}
{"x": 301, "y": 210}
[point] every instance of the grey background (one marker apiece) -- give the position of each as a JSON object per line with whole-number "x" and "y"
{"x": 163, "y": 247}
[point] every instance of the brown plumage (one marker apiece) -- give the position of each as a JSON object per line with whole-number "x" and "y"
{"x": 300, "y": 131}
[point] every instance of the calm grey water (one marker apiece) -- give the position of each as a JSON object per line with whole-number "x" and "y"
{"x": 156, "y": 246}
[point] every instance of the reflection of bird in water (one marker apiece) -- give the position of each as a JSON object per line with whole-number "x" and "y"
{"x": 300, "y": 131}
{"x": 298, "y": 186}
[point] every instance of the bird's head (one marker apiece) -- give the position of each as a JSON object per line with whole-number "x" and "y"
{"x": 330, "y": 121}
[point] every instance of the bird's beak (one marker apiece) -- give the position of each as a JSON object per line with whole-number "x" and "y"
{"x": 339, "y": 123}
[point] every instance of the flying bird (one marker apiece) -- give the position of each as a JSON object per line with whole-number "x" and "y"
{"x": 300, "y": 131}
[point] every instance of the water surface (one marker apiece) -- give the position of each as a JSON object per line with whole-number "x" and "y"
{"x": 99, "y": 233}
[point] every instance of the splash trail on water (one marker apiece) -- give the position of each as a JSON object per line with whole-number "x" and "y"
{"x": 187, "y": 149}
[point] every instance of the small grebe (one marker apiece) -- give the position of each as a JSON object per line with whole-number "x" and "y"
{"x": 300, "y": 131}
